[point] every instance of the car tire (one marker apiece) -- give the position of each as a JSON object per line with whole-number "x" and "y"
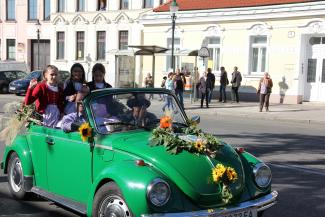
{"x": 109, "y": 201}
{"x": 4, "y": 89}
{"x": 16, "y": 177}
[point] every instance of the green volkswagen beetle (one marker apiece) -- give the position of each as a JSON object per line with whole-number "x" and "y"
{"x": 119, "y": 164}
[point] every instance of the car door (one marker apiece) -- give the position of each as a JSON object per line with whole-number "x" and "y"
{"x": 68, "y": 165}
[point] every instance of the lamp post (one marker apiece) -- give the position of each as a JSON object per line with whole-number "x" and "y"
{"x": 38, "y": 24}
{"x": 173, "y": 10}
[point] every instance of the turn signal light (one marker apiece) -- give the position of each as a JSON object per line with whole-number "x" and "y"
{"x": 240, "y": 150}
{"x": 140, "y": 163}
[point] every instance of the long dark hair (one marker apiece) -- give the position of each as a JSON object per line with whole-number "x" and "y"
{"x": 98, "y": 67}
{"x": 83, "y": 78}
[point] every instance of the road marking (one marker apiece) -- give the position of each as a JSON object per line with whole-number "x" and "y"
{"x": 299, "y": 168}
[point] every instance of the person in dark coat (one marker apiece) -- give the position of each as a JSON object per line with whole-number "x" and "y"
{"x": 180, "y": 81}
{"x": 235, "y": 83}
{"x": 210, "y": 84}
{"x": 98, "y": 78}
{"x": 223, "y": 85}
{"x": 203, "y": 90}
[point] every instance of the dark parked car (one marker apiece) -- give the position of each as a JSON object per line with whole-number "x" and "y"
{"x": 8, "y": 76}
{"x": 20, "y": 86}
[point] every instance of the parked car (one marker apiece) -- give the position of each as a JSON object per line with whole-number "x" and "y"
{"x": 8, "y": 76}
{"x": 114, "y": 170}
{"x": 20, "y": 86}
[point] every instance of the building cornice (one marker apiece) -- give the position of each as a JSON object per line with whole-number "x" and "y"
{"x": 237, "y": 14}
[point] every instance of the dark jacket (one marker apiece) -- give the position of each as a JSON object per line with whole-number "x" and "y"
{"x": 224, "y": 79}
{"x": 69, "y": 89}
{"x": 92, "y": 85}
{"x": 210, "y": 80}
{"x": 236, "y": 79}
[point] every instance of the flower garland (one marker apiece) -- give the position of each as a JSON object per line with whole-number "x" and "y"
{"x": 199, "y": 143}
{"x": 190, "y": 139}
{"x": 225, "y": 176}
{"x": 85, "y": 131}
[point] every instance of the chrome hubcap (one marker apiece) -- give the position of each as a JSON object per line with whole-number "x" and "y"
{"x": 114, "y": 206}
{"x": 16, "y": 175}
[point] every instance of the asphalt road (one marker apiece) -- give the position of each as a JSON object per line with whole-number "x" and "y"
{"x": 295, "y": 153}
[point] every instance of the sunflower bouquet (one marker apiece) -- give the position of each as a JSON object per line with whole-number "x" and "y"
{"x": 85, "y": 131}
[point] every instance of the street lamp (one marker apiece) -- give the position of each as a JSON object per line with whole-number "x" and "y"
{"x": 38, "y": 25}
{"x": 173, "y": 10}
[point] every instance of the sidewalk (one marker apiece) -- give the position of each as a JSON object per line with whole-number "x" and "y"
{"x": 308, "y": 112}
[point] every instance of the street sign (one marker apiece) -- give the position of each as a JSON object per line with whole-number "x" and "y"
{"x": 204, "y": 52}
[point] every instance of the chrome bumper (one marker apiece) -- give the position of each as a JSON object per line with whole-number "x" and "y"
{"x": 259, "y": 204}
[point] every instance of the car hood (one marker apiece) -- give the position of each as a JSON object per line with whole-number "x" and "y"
{"x": 190, "y": 172}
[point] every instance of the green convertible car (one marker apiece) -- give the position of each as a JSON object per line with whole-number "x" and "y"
{"x": 137, "y": 157}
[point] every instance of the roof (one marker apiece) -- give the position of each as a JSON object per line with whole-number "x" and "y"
{"x": 148, "y": 49}
{"x": 185, "y": 5}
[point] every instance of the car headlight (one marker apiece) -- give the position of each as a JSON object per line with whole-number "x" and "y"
{"x": 158, "y": 192}
{"x": 262, "y": 174}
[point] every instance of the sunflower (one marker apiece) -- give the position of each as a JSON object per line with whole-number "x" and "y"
{"x": 231, "y": 174}
{"x": 218, "y": 172}
{"x": 85, "y": 131}
{"x": 165, "y": 122}
{"x": 199, "y": 145}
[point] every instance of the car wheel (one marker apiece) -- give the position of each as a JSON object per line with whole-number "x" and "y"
{"x": 260, "y": 214}
{"x": 16, "y": 177}
{"x": 4, "y": 89}
{"x": 110, "y": 202}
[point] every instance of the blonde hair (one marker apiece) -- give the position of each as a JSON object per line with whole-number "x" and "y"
{"x": 49, "y": 67}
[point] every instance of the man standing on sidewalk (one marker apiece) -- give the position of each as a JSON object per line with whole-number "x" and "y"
{"x": 235, "y": 84}
{"x": 210, "y": 84}
{"x": 223, "y": 85}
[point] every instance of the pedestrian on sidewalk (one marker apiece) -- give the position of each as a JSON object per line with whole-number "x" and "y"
{"x": 163, "y": 85}
{"x": 223, "y": 85}
{"x": 169, "y": 86}
{"x": 235, "y": 84}
{"x": 210, "y": 84}
{"x": 179, "y": 79}
{"x": 203, "y": 90}
{"x": 148, "y": 82}
{"x": 264, "y": 90}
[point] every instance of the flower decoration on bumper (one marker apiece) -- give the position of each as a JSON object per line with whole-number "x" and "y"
{"x": 85, "y": 131}
{"x": 189, "y": 139}
{"x": 225, "y": 176}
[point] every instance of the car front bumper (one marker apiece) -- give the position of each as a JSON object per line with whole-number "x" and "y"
{"x": 260, "y": 204}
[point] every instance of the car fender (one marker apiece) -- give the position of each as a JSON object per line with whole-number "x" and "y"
{"x": 20, "y": 146}
{"x": 133, "y": 188}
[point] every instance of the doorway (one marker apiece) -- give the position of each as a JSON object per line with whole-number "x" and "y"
{"x": 315, "y": 79}
{"x": 43, "y": 56}
{"x": 125, "y": 71}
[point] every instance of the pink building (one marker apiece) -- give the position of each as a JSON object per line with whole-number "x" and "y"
{"x": 19, "y": 31}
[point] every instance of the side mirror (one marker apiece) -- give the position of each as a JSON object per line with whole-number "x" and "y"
{"x": 196, "y": 119}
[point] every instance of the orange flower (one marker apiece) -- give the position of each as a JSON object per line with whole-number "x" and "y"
{"x": 165, "y": 122}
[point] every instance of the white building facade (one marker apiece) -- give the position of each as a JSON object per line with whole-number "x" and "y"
{"x": 89, "y": 32}
{"x": 286, "y": 40}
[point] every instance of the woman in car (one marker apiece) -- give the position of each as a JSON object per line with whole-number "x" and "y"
{"x": 72, "y": 86}
{"x": 98, "y": 78}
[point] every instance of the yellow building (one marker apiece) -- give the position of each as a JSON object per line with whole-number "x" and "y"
{"x": 285, "y": 38}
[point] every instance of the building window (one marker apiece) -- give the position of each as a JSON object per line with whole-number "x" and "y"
{"x": 102, "y": 4}
{"x": 123, "y": 40}
{"x": 258, "y": 54}
{"x": 124, "y": 4}
{"x": 147, "y": 3}
{"x": 60, "y": 45}
{"x": 11, "y": 9}
{"x": 60, "y": 6}
{"x": 80, "y": 45}
{"x": 32, "y": 9}
{"x": 176, "y": 49}
{"x": 101, "y": 36}
{"x": 214, "y": 52}
{"x": 47, "y": 9}
{"x": 80, "y": 5}
{"x": 11, "y": 49}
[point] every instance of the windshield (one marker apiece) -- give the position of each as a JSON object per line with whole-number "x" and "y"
{"x": 34, "y": 74}
{"x": 121, "y": 112}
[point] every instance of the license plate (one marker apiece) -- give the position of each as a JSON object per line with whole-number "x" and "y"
{"x": 242, "y": 213}
{"x": 12, "y": 88}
